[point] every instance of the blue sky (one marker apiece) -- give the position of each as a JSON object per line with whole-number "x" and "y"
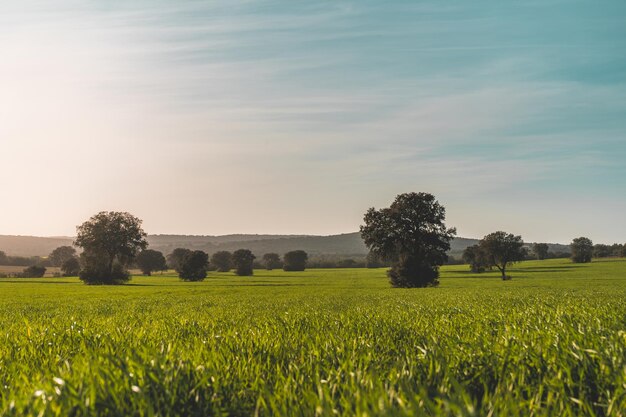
{"x": 295, "y": 117}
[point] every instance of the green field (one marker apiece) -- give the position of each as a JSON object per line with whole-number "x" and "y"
{"x": 551, "y": 342}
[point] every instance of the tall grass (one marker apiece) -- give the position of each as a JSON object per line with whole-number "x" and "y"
{"x": 336, "y": 342}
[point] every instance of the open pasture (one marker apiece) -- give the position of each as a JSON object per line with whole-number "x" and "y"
{"x": 322, "y": 342}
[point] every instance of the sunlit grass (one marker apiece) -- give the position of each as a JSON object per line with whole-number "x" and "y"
{"x": 329, "y": 342}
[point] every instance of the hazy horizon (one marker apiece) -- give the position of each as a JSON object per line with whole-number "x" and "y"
{"x": 210, "y": 118}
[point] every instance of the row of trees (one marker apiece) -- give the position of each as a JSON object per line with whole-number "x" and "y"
{"x": 112, "y": 242}
{"x": 412, "y": 236}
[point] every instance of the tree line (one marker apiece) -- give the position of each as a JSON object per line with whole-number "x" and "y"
{"x": 411, "y": 234}
{"x": 410, "y": 237}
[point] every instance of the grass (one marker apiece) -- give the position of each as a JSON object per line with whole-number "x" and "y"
{"x": 324, "y": 342}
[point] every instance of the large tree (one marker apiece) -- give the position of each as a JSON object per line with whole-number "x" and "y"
{"x": 151, "y": 260}
{"x": 243, "y": 260}
{"x": 271, "y": 261}
{"x": 222, "y": 261}
{"x": 541, "y": 250}
{"x": 412, "y": 235}
{"x": 61, "y": 254}
{"x": 502, "y": 249}
{"x": 582, "y": 250}
{"x": 194, "y": 266}
{"x": 295, "y": 260}
{"x": 110, "y": 241}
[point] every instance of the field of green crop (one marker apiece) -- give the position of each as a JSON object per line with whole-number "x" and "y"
{"x": 551, "y": 342}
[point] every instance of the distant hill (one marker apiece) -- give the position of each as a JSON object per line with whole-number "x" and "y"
{"x": 345, "y": 245}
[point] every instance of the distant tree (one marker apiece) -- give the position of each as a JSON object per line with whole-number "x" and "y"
{"x": 540, "y": 250}
{"x": 71, "y": 267}
{"x": 410, "y": 234}
{"x": 271, "y": 261}
{"x": 242, "y": 261}
{"x": 623, "y": 251}
{"x": 194, "y": 266}
{"x": 502, "y": 249}
{"x": 175, "y": 259}
{"x": 347, "y": 263}
{"x": 295, "y": 260}
{"x": 4, "y": 259}
{"x": 476, "y": 257}
{"x": 151, "y": 260}
{"x": 60, "y": 255}
{"x": 34, "y": 271}
{"x": 222, "y": 261}
{"x": 373, "y": 260}
{"x": 582, "y": 250}
{"x": 602, "y": 251}
{"x": 110, "y": 242}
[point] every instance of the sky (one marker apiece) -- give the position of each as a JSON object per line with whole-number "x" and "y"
{"x": 295, "y": 117}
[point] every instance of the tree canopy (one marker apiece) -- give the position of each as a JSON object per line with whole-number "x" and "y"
{"x": 582, "y": 250}
{"x": 222, "y": 261}
{"x": 150, "y": 261}
{"x": 502, "y": 249}
{"x": 541, "y": 250}
{"x": 412, "y": 235}
{"x": 60, "y": 255}
{"x": 271, "y": 261}
{"x": 194, "y": 266}
{"x": 110, "y": 241}
{"x": 476, "y": 257}
{"x": 175, "y": 259}
{"x": 243, "y": 260}
{"x": 295, "y": 260}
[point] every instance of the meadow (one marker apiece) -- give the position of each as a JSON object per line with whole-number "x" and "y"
{"x": 552, "y": 341}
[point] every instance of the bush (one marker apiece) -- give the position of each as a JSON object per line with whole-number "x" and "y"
{"x": 34, "y": 271}
{"x": 194, "y": 266}
{"x": 412, "y": 275}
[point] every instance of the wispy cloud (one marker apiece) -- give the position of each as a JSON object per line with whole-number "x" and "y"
{"x": 346, "y": 102}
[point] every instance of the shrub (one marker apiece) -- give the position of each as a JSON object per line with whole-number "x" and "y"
{"x": 34, "y": 271}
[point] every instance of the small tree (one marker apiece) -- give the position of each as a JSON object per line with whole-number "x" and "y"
{"x": 295, "y": 260}
{"x": 271, "y": 261}
{"x": 194, "y": 266}
{"x": 61, "y": 254}
{"x": 4, "y": 259}
{"x": 222, "y": 261}
{"x": 540, "y": 250}
{"x": 502, "y": 249}
{"x": 476, "y": 257}
{"x": 623, "y": 251}
{"x": 582, "y": 250}
{"x": 151, "y": 260}
{"x": 410, "y": 234}
{"x": 243, "y": 260}
{"x": 71, "y": 267}
{"x": 175, "y": 259}
{"x": 110, "y": 242}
